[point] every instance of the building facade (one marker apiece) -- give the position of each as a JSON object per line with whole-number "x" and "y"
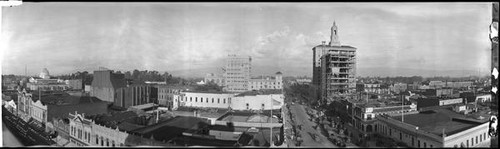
{"x": 237, "y": 73}
{"x": 135, "y": 94}
{"x": 170, "y": 96}
{"x": 420, "y": 137}
{"x": 266, "y": 83}
{"x": 205, "y": 100}
{"x": 334, "y": 67}
{"x": 251, "y": 100}
{"x": 105, "y": 85}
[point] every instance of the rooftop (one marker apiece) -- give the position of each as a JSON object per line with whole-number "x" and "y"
{"x": 342, "y": 46}
{"x": 439, "y": 120}
{"x": 260, "y": 92}
{"x": 175, "y": 127}
{"x": 62, "y": 98}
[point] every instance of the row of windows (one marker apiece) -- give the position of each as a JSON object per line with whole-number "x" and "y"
{"x": 265, "y": 87}
{"x": 105, "y": 141}
{"x": 274, "y": 83}
{"x": 478, "y": 139}
{"x": 206, "y": 99}
{"x": 80, "y": 134}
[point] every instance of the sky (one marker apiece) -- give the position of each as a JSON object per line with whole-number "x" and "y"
{"x": 391, "y": 38}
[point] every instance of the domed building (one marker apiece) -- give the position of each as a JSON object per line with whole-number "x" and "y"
{"x": 44, "y": 74}
{"x": 43, "y": 82}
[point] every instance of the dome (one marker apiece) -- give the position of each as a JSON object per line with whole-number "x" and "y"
{"x": 45, "y": 74}
{"x": 279, "y": 73}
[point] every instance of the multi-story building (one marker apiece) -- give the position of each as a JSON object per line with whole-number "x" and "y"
{"x": 445, "y": 129}
{"x": 105, "y": 85}
{"x": 135, "y": 94}
{"x": 206, "y": 99}
{"x": 237, "y": 73}
{"x": 250, "y": 100}
{"x": 170, "y": 95}
{"x": 44, "y": 82}
{"x": 334, "y": 67}
{"x": 266, "y": 83}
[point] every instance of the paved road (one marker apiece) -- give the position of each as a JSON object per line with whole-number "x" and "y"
{"x": 9, "y": 140}
{"x": 302, "y": 118}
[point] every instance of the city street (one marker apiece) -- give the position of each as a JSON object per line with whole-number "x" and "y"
{"x": 308, "y": 131}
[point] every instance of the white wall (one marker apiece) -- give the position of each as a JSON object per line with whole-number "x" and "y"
{"x": 191, "y": 99}
{"x": 469, "y": 135}
{"x": 255, "y": 102}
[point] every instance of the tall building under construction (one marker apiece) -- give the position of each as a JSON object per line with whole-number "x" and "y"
{"x": 334, "y": 67}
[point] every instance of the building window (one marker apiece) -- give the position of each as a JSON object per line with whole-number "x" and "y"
{"x": 212, "y": 100}
{"x": 190, "y": 99}
{"x": 425, "y": 145}
{"x": 224, "y": 100}
{"x": 195, "y": 99}
{"x": 247, "y": 106}
{"x": 97, "y": 139}
{"x": 472, "y": 141}
{"x": 218, "y": 100}
{"x": 201, "y": 99}
{"x": 476, "y": 139}
{"x": 467, "y": 143}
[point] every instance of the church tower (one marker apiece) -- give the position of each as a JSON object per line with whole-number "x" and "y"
{"x": 334, "y": 37}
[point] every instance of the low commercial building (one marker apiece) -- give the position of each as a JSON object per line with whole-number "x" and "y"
{"x": 258, "y": 100}
{"x": 437, "y": 101}
{"x": 44, "y": 106}
{"x": 250, "y": 100}
{"x": 206, "y": 99}
{"x": 435, "y": 129}
{"x": 86, "y": 132}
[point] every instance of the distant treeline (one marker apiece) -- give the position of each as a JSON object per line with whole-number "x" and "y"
{"x": 135, "y": 76}
{"x": 412, "y": 79}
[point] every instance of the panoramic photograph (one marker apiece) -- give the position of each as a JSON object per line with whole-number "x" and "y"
{"x": 265, "y": 75}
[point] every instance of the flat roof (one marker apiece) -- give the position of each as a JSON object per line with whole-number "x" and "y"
{"x": 341, "y": 46}
{"x": 260, "y": 92}
{"x": 172, "y": 128}
{"x": 439, "y": 120}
